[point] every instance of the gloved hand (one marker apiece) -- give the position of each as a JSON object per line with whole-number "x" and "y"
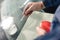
{"x": 44, "y": 28}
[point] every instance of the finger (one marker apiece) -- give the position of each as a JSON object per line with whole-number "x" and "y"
{"x": 37, "y": 28}
{"x": 29, "y": 13}
{"x": 40, "y": 31}
{"x": 29, "y": 10}
{"x": 27, "y": 6}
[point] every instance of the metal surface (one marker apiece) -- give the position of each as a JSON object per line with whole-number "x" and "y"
{"x": 0, "y": 9}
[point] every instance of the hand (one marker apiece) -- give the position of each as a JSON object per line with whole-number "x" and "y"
{"x": 32, "y": 6}
{"x": 40, "y": 31}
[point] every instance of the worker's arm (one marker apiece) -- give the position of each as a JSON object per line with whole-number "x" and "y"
{"x": 35, "y": 6}
{"x": 50, "y": 3}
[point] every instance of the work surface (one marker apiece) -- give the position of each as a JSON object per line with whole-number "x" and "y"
{"x": 29, "y": 30}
